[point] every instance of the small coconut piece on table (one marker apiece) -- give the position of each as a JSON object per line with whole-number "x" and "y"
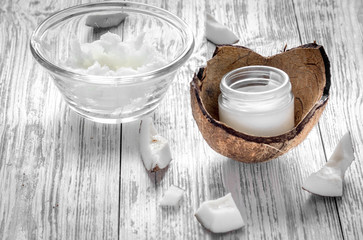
{"x": 172, "y": 197}
{"x": 105, "y": 20}
{"x": 220, "y": 215}
{"x": 154, "y": 148}
{"x": 217, "y": 32}
{"x": 328, "y": 181}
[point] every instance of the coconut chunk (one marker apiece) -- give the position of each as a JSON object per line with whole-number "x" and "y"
{"x": 105, "y": 20}
{"x": 154, "y": 149}
{"x": 217, "y": 32}
{"x": 172, "y": 196}
{"x": 220, "y": 215}
{"x": 328, "y": 181}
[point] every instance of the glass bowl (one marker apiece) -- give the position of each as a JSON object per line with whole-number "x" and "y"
{"x": 112, "y": 99}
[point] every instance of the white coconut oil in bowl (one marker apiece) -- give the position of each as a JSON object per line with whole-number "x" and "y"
{"x": 117, "y": 89}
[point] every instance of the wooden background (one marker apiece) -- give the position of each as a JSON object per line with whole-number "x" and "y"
{"x": 63, "y": 177}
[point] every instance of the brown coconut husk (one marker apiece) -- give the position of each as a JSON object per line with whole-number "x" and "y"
{"x": 309, "y": 70}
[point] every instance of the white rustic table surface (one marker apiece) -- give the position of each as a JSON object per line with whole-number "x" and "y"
{"x": 64, "y": 177}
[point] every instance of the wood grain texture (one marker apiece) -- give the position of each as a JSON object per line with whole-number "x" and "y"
{"x": 59, "y": 174}
{"x": 140, "y": 214}
{"x": 338, "y": 25}
{"x": 269, "y": 195}
{"x": 63, "y": 177}
{"x": 274, "y": 203}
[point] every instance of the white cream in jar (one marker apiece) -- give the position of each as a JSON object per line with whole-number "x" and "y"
{"x": 110, "y": 56}
{"x": 257, "y": 100}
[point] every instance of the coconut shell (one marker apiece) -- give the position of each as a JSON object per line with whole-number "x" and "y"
{"x": 309, "y": 70}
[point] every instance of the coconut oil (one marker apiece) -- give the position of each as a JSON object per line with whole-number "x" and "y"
{"x": 257, "y": 100}
{"x": 111, "y": 56}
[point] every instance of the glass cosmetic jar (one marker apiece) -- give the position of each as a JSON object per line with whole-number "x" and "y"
{"x": 257, "y": 100}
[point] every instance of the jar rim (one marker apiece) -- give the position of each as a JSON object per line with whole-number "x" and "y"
{"x": 283, "y": 87}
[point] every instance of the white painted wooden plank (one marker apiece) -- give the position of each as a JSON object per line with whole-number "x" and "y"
{"x": 59, "y": 174}
{"x": 338, "y": 25}
{"x": 141, "y": 217}
{"x": 269, "y": 195}
{"x": 90, "y": 208}
{"x": 272, "y": 199}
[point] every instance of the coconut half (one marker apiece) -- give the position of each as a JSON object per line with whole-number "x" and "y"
{"x": 309, "y": 70}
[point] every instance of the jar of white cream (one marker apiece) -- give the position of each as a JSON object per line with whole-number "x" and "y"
{"x": 257, "y": 100}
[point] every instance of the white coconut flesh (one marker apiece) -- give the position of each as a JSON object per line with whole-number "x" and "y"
{"x": 328, "y": 181}
{"x": 105, "y": 20}
{"x": 172, "y": 197}
{"x": 154, "y": 149}
{"x": 217, "y": 32}
{"x": 220, "y": 215}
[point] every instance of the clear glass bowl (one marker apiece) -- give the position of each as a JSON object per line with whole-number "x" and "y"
{"x": 112, "y": 99}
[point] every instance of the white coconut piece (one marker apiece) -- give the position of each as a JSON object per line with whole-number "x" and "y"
{"x": 217, "y": 32}
{"x": 105, "y": 20}
{"x": 154, "y": 149}
{"x": 172, "y": 196}
{"x": 328, "y": 181}
{"x": 220, "y": 215}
